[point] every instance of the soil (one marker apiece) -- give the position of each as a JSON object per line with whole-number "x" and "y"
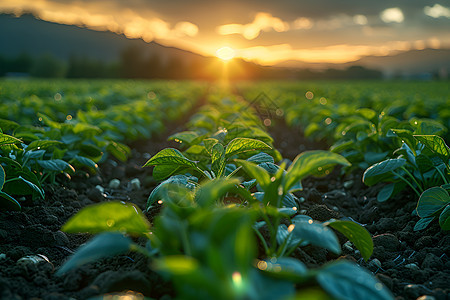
{"x": 410, "y": 264}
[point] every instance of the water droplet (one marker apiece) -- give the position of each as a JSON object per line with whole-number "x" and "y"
{"x": 110, "y": 223}
{"x": 262, "y": 265}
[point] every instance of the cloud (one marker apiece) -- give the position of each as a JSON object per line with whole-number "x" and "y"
{"x": 392, "y": 15}
{"x": 303, "y": 23}
{"x": 262, "y": 22}
{"x": 437, "y": 11}
{"x": 112, "y": 16}
{"x": 360, "y": 19}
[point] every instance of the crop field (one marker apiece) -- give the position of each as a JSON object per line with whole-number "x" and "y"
{"x": 115, "y": 189}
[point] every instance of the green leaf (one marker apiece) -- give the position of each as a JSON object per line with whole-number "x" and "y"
{"x": 7, "y": 125}
{"x": 155, "y": 195}
{"x": 218, "y": 159}
{"x": 43, "y": 144}
{"x": 177, "y": 264}
{"x": 239, "y": 145}
{"x": 386, "y": 192}
{"x": 8, "y": 203}
{"x": 49, "y": 122}
{"x": 23, "y": 183}
{"x": 423, "y": 223}
{"x": 56, "y": 165}
{"x": 380, "y": 171}
{"x": 436, "y": 144}
{"x": 256, "y": 172}
{"x": 108, "y": 216}
{"x": 286, "y": 268}
{"x": 284, "y": 236}
{"x": 103, "y": 245}
{"x": 261, "y": 158}
{"x": 424, "y": 163}
{"x": 184, "y": 137}
{"x": 444, "y": 218}
{"x": 170, "y": 156}
{"x": 34, "y": 187}
{"x": 341, "y": 145}
{"x": 10, "y": 163}
{"x": 209, "y": 144}
{"x": 309, "y": 163}
{"x": 317, "y": 234}
{"x": 86, "y": 162}
{"x": 213, "y": 190}
{"x": 356, "y": 234}
{"x": 366, "y": 113}
{"x": 82, "y": 128}
{"x": 2, "y": 177}
{"x": 8, "y": 140}
{"x": 119, "y": 150}
{"x": 345, "y": 280}
{"x": 374, "y": 157}
{"x": 161, "y": 172}
{"x": 90, "y": 151}
{"x": 406, "y": 136}
{"x": 431, "y": 201}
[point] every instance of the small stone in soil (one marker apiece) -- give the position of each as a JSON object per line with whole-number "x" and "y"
{"x": 135, "y": 184}
{"x": 432, "y": 261}
{"x": 314, "y": 196}
{"x": 322, "y": 213}
{"x": 386, "y": 224}
{"x": 95, "y": 195}
{"x": 412, "y": 266}
{"x": 114, "y": 184}
{"x": 388, "y": 241}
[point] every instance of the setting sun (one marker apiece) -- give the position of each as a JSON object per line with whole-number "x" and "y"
{"x": 225, "y": 53}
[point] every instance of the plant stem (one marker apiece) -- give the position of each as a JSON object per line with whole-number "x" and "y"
{"x": 413, "y": 178}
{"x": 293, "y": 248}
{"x": 407, "y": 182}
{"x": 442, "y": 175}
{"x": 185, "y": 239}
{"x": 263, "y": 241}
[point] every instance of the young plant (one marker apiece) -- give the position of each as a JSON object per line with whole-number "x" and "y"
{"x": 208, "y": 250}
{"x": 423, "y": 162}
{"x": 170, "y": 161}
{"x": 14, "y": 178}
{"x": 303, "y": 230}
{"x": 434, "y": 204}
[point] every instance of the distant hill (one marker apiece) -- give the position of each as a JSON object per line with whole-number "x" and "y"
{"x": 404, "y": 63}
{"x": 27, "y": 34}
{"x": 409, "y": 62}
{"x": 35, "y": 37}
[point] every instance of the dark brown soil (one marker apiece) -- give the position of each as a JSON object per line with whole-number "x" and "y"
{"x": 410, "y": 263}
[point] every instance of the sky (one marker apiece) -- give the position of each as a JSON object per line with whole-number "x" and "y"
{"x": 264, "y": 31}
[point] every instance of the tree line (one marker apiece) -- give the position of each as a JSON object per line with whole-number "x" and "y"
{"x": 135, "y": 63}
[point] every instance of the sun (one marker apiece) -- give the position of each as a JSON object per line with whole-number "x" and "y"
{"x": 225, "y": 53}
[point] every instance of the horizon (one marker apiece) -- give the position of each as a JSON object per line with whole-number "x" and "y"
{"x": 259, "y": 31}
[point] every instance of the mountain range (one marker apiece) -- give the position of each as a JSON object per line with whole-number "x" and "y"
{"x": 35, "y": 37}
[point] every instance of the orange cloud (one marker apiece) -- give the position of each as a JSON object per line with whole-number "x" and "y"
{"x": 262, "y": 22}
{"x": 103, "y": 15}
